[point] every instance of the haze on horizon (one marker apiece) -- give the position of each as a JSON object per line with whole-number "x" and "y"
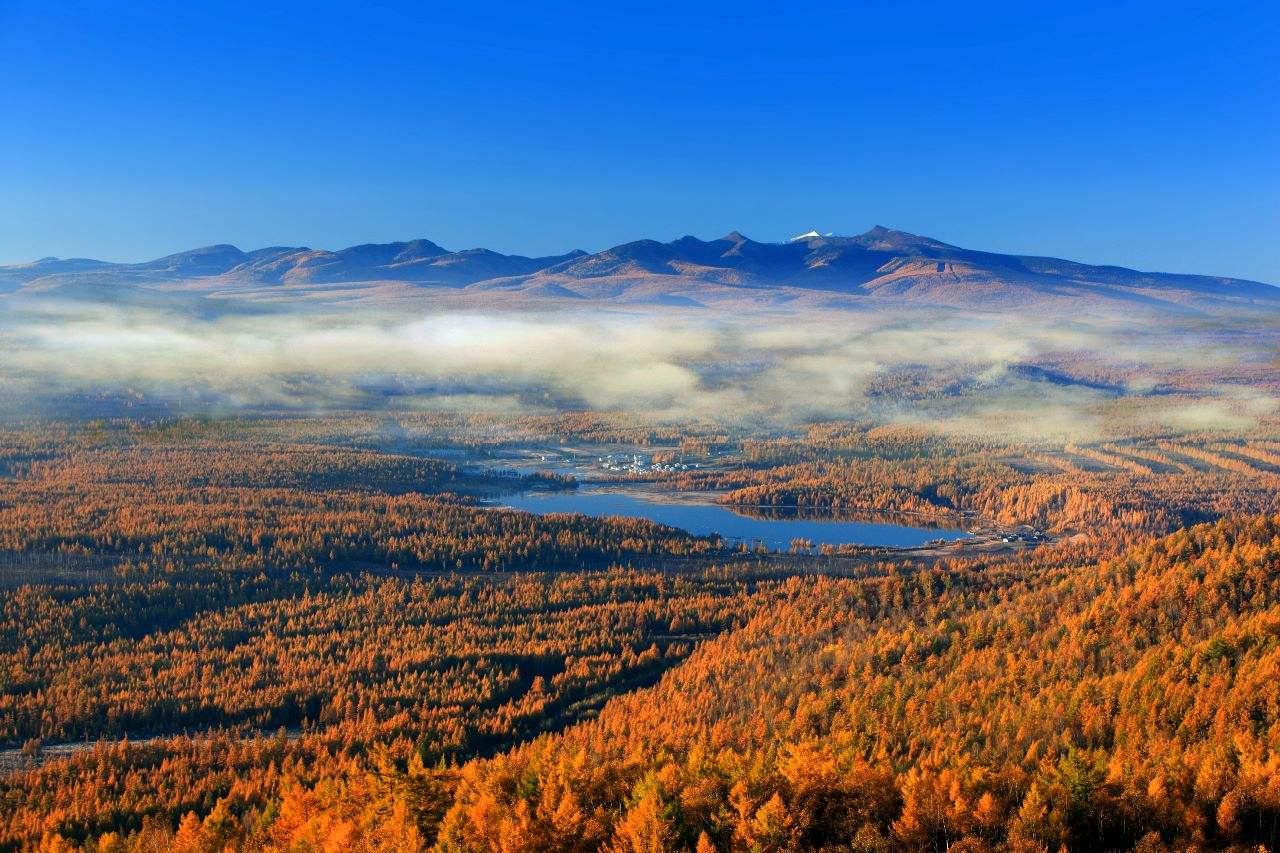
{"x": 1103, "y": 133}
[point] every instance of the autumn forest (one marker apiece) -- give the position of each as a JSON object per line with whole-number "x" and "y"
{"x": 325, "y": 632}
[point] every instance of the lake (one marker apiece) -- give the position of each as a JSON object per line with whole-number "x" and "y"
{"x": 776, "y": 532}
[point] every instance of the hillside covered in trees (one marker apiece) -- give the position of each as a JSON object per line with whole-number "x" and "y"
{"x": 1129, "y": 703}
{"x": 318, "y": 634}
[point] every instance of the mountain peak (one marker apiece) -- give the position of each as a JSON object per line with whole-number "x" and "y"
{"x": 892, "y": 240}
{"x": 881, "y": 234}
{"x": 206, "y": 260}
{"x": 206, "y": 251}
{"x": 421, "y": 248}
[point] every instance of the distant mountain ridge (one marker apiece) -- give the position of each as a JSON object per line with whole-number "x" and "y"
{"x": 881, "y": 265}
{"x": 414, "y": 260}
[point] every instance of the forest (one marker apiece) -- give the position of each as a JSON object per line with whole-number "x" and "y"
{"x": 321, "y": 633}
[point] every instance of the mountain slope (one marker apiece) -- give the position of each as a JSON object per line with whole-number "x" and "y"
{"x": 881, "y": 266}
{"x": 890, "y": 266}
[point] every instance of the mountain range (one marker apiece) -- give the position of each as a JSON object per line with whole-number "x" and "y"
{"x": 880, "y": 267}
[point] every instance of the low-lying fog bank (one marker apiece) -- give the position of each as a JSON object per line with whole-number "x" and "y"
{"x": 959, "y": 371}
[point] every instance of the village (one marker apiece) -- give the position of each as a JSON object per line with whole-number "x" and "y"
{"x": 640, "y": 463}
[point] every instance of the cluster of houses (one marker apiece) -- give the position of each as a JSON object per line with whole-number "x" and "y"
{"x": 1025, "y": 534}
{"x": 639, "y": 463}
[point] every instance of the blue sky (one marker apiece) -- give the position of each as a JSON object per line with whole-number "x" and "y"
{"x": 1144, "y": 134}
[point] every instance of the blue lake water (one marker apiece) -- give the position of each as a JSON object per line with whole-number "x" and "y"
{"x": 707, "y": 518}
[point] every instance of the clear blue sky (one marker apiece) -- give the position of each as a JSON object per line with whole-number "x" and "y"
{"x": 1145, "y": 134}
